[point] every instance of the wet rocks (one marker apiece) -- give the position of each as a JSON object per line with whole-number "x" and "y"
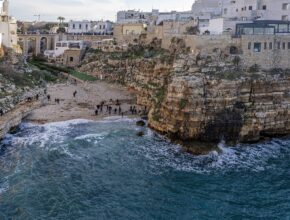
{"x": 141, "y": 123}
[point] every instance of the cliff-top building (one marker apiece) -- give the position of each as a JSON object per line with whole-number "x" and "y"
{"x": 155, "y": 17}
{"x": 246, "y": 12}
{"x": 90, "y": 27}
{"x": 8, "y": 27}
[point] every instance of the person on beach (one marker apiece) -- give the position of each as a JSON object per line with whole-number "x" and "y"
{"x": 115, "y": 111}
{"x": 75, "y": 94}
{"x": 122, "y": 114}
{"x": 120, "y": 110}
{"x": 1, "y": 112}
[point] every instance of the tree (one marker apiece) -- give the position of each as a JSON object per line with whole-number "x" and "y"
{"x": 61, "y": 19}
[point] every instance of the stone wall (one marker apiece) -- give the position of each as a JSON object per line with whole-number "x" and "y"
{"x": 274, "y": 51}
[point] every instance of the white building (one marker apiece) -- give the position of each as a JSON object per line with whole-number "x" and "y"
{"x": 174, "y": 16}
{"x": 79, "y": 27}
{"x": 246, "y": 11}
{"x": 212, "y": 7}
{"x": 154, "y": 17}
{"x": 62, "y": 46}
{"x": 8, "y": 27}
{"x": 133, "y": 16}
{"x": 257, "y": 9}
{"x": 102, "y": 27}
{"x": 90, "y": 27}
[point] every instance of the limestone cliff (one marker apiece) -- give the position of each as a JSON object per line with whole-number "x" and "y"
{"x": 203, "y": 97}
{"x": 217, "y": 101}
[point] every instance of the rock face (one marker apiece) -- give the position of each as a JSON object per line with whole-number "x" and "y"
{"x": 14, "y": 117}
{"x": 201, "y": 104}
{"x": 204, "y": 97}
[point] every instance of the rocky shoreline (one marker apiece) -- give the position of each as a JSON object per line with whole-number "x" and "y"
{"x": 14, "y": 118}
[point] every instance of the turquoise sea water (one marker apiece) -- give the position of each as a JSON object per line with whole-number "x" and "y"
{"x": 102, "y": 170}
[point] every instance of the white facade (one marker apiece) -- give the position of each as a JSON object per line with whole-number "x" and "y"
{"x": 256, "y": 9}
{"x": 102, "y": 27}
{"x": 79, "y": 27}
{"x": 8, "y": 27}
{"x": 212, "y": 7}
{"x": 154, "y": 17}
{"x": 90, "y": 27}
{"x": 62, "y": 46}
{"x": 174, "y": 16}
{"x": 133, "y": 16}
{"x": 240, "y": 11}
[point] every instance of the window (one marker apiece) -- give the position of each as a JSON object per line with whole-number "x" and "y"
{"x": 257, "y": 47}
{"x": 264, "y": 7}
{"x": 265, "y": 46}
{"x": 278, "y": 45}
{"x": 288, "y": 45}
{"x": 87, "y": 26}
{"x": 283, "y": 28}
{"x": 71, "y": 59}
{"x": 249, "y": 46}
{"x": 285, "y": 18}
{"x": 74, "y": 26}
{"x": 250, "y": 8}
{"x": 225, "y": 11}
{"x": 80, "y": 26}
{"x": 259, "y": 30}
{"x": 270, "y": 46}
{"x": 285, "y": 6}
{"x": 284, "y": 45}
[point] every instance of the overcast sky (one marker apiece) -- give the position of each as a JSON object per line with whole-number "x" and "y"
{"x": 88, "y": 9}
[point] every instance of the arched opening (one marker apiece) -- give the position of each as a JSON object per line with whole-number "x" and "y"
{"x": 21, "y": 43}
{"x": 43, "y": 44}
{"x": 234, "y": 50}
{"x": 31, "y": 46}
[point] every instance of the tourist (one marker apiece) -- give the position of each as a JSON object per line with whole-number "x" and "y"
{"x": 120, "y": 110}
{"x": 48, "y": 98}
{"x": 96, "y": 112}
{"x": 115, "y": 111}
{"x": 75, "y": 93}
{"x": 1, "y": 112}
{"x": 37, "y": 97}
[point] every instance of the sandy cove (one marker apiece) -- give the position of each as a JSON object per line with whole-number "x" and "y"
{"x": 83, "y": 106}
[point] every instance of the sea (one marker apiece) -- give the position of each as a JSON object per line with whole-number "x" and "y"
{"x": 103, "y": 170}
